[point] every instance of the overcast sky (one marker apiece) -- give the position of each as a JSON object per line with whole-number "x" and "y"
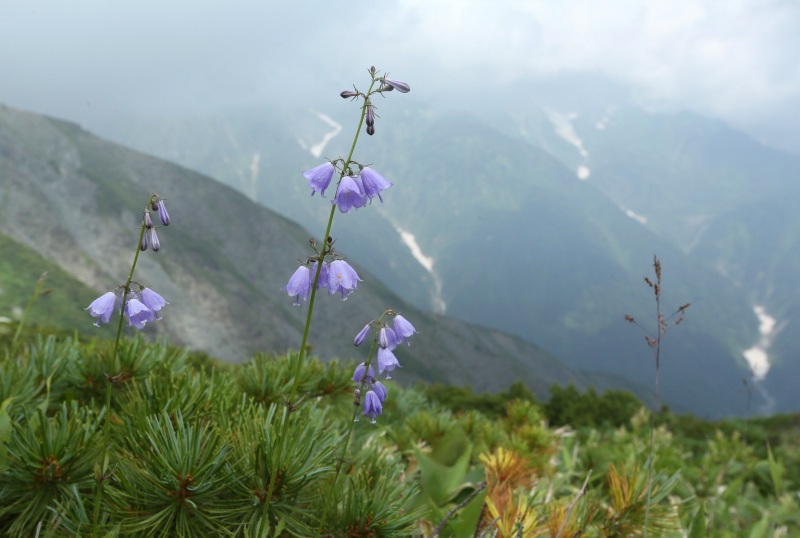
{"x": 94, "y": 61}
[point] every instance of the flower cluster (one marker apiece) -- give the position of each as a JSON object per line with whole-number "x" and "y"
{"x": 376, "y": 392}
{"x": 388, "y": 339}
{"x": 140, "y": 306}
{"x": 149, "y": 237}
{"x": 353, "y": 191}
{"x": 336, "y": 276}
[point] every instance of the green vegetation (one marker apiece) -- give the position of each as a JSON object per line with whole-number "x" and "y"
{"x": 193, "y": 447}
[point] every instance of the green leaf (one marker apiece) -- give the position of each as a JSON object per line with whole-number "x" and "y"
{"x": 698, "y": 528}
{"x": 776, "y": 471}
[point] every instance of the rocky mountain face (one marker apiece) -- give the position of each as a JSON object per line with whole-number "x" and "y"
{"x": 73, "y": 200}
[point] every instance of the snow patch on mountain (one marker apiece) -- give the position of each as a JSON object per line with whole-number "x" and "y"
{"x": 438, "y": 303}
{"x": 641, "y": 219}
{"x": 250, "y": 190}
{"x": 317, "y": 149}
{"x": 757, "y": 356}
{"x": 564, "y": 128}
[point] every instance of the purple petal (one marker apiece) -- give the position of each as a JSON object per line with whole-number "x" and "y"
{"x": 299, "y": 285}
{"x": 350, "y": 194}
{"x": 319, "y": 178}
{"x": 103, "y": 307}
{"x": 373, "y": 183}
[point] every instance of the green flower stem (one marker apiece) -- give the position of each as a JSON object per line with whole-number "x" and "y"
{"x": 109, "y": 383}
{"x": 37, "y": 291}
{"x": 325, "y": 250}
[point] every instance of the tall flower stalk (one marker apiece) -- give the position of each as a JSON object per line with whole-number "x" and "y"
{"x": 663, "y": 324}
{"x": 356, "y": 187}
{"x": 139, "y": 305}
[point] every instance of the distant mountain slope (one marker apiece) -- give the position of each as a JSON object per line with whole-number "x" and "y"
{"x": 73, "y": 199}
{"x": 500, "y": 232}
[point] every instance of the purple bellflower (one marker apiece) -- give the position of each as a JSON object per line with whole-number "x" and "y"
{"x": 372, "y": 405}
{"x": 323, "y": 276}
{"x": 148, "y": 222}
{"x": 403, "y": 329}
{"x": 319, "y": 178}
{"x": 361, "y": 370}
{"x": 162, "y": 213}
{"x": 386, "y": 361}
{"x": 143, "y": 246}
{"x": 387, "y": 338}
{"x": 299, "y": 285}
{"x": 350, "y": 194}
{"x": 153, "y": 301}
{"x": 373, "y": 183}
{"x": 380, "y": 390}
{"x": 103, "y": 307}
{"x": 137, "y": 313}
{"x": 342, "y": 278}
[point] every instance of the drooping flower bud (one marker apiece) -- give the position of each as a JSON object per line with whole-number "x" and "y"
{"x": 402, "y": 87}
{"x": 348, "y": 93}
{"x": 143, "y": 246}
{"x": 370, "y": 130}
{"x": 370, "y": 119}
{"x": 155, "y": 244}
{"x": 361, "y": 335}
{"x": 148, "y": 222}
{"x": 162, "y": 213}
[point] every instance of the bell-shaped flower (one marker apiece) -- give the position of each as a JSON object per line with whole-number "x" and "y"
{"x": 319, "y": 178}
{"x": 387, "y": 362}
{"x": 342, "y": 278}
{"x": 143, "y": 245}
{"x": 350, "y": 194}
{"x": 153, "y": 301}
{"x": 372, "y": 405}
{"x": 162, "y": 213}
{"x": 323, "y": 276}
{"x": 361, "y": 370}
{"x": 361, "y": 335}
{"x": 103, "y": 307}
{"x": 380, "y": 390}
{"x": 148, "y": 222}
{"x": 373, "y": 183}
{"x": 137, "y": 313}
{"x": 403, "y": 329}
{"x": 299, "y": 285}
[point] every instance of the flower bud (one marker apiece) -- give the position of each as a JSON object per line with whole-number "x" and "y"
{"x": 148, "y": 222}
{"x": 155, "y": 244}
{"x": 370, "y": 115}
{"x": 373, "y": 70}
{"x": 370, "y": 130}
{"x": 162, "y": 213}
{"x": 143, "y": 246}
{"x": 402, "y": 87}
{"x": 347, "y": 94}
{"x": 361, "y": 335}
